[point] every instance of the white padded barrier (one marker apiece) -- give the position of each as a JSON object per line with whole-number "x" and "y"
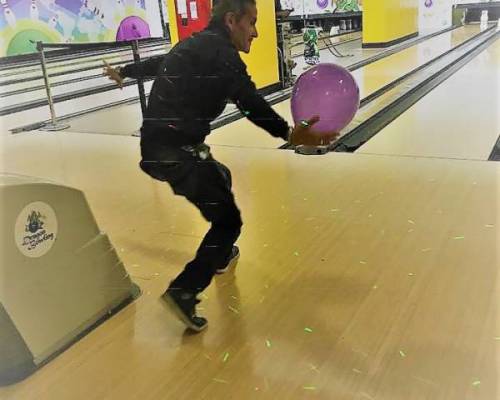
{"x": 59, "y": 274}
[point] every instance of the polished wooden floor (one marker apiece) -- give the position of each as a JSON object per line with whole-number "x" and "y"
{"x": 362, "y": 276}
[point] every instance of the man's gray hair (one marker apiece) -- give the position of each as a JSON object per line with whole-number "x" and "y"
{"x": 222, "y": 7}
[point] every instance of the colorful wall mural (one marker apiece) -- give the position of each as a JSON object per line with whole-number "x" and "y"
{"x": 69, "y": 21}
{"x": 309, "y": 7}
{"x": 349, "y": 5}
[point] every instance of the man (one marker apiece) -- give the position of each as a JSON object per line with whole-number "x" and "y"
{"x": 192, "y": 84}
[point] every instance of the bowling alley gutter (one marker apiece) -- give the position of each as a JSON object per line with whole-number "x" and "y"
{"x": 495, "y": 153}
{"x": 398, "y": 96}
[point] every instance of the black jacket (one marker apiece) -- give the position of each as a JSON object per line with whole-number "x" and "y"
{"x": 193, "y": 83}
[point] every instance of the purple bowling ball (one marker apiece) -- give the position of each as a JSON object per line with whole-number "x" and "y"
{"x": 327, "y": 90}
{"x": 322, "y": 3}
{"x": 132, "y": 28}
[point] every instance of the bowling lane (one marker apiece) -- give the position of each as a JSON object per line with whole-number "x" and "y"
{"x": 72, "y": 80}
{"x": 369, "y": 81}
{"x": 357, "y": 53}
{"x": 26, "y": 117}
{"x": 378, "y": 74}
{"x": 458, "y": 119}
{"x": 33, "y": 70}
{"x": 369, "y": 78}
{"x": 240, "y": 134}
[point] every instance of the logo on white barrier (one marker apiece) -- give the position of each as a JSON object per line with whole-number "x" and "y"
{"x": 36, "y": 229}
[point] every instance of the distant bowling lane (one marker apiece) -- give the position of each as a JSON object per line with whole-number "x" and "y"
{"x": 378, "y": 74}
{"x": 458, "y": 119}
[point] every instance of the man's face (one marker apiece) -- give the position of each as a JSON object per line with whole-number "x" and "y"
{"x": 243, "y": 30}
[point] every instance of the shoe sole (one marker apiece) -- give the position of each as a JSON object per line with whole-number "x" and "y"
{"x": 172, "y": 305}
{"x": 231, "y": 264}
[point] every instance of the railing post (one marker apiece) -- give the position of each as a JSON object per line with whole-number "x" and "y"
{"x": 53, "y": 125}
{"x": 162, "y": 19}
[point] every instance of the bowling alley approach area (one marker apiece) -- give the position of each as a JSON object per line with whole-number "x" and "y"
{"x": 369, "y": 255}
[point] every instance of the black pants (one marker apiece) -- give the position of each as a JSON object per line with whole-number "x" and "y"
{"x": 206, "y": 183}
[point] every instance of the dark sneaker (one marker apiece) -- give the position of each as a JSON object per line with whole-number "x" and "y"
{"x": 182, "y": 303}
{"x": 231, "y": 261}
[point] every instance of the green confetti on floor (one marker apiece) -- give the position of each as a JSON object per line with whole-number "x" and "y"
{"x": 476, "y": 383}
{"x": 402, "y": 353}
{"x": 220, "y": 380}
{"x": 296, "y": 253}
{"x": 489, "y": 226}
{"x": 226, "y": 356}
{"x": 309, "y": 387}
{"x": 362, "y": 262}
{"x": 459, "y": 237}
{"x": 497, "y": 338}
{"x": 411, "y": 222}
{"x": 314, "y": 368}
{"x": 309, "y": 330}
{"x": 234, "y": 297}
{"x": 268, "y": 343}
{"x": 233, "y": 309}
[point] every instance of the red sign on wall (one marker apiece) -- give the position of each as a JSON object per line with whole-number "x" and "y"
{"x": 192, "y": 16}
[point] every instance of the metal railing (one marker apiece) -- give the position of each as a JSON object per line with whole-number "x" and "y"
{"x": 85, "y": 58}
{"x": 54, "y": 125}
